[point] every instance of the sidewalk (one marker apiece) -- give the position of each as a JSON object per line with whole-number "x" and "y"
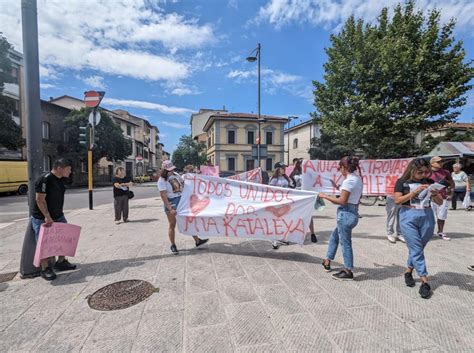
{"x": 240, "y": 295}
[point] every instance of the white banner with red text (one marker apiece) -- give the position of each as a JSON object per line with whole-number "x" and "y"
{"x": 252, "y": 176}
{"x": 378, "y": 175}
{"x": 221, "y": 207}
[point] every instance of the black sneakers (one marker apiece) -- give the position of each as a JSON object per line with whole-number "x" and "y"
{"x": 313, "y": 238}
{"x": 201, "y": 241}
{"x": 409, "y": 281}
{"x": 343, "y": 276}
{"x": 425, "y": 291}
{"x": 48, "y": 274}
{"x": 174, "y": 249}
{"x": 64, "y": 265}
{"x": 327, "y": 267}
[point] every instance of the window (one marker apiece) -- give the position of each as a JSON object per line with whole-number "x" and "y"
{"x": 231, "y": 164}
{"x": 139, "y": 150}
{"x": 45, "y": 127}
{"x": 250, "y": 164}
{"x": 129, "y": 130}
{"x": 295, "y": 143}
{"x": 250, "y": 137}
{"x": 16, "y": 108}
{"x": 46, "y": 163}
{"x": 15, "y": 75}
{"x": 269, "y": 164}
{"x": 83, "y": 167}
{"x": 231, "y": 136}
{"x": 269, "y": 137}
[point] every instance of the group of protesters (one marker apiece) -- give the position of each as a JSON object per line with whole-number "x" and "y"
{"x": 420, "y": 200}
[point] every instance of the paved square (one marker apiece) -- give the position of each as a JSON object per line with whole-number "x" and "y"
{"x": 237, "y": 295}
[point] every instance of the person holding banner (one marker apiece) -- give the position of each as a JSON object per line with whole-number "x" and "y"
{"x": 416, "y": 218}
{"x": 48, "y": 209}
{"x": 279, "y": 178}
{"x": 347, "y": 216}
{"x": 170, "y": 186}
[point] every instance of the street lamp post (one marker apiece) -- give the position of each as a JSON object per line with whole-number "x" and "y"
{"x": 290, "y": 118}
{"x": 251, "y": 58}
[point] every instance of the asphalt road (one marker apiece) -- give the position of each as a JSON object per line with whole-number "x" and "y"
{"x": 13, "y": 208}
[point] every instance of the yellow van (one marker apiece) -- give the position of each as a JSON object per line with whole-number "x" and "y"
{"x": 14, "y": 176}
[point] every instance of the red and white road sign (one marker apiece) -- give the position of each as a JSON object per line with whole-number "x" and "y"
{"x": 92, "y": 99}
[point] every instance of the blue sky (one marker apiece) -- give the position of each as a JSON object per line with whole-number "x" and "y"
{"x": 163, "y": 60}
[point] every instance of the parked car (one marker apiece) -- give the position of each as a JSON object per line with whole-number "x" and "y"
{"x": 14, "y": 177}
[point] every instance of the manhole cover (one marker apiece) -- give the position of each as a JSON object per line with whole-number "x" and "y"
{"x": 5, "y": 277}
{"x": 121, "y": 295}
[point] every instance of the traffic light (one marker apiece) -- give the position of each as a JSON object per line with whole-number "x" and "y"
{"x": 83, "y": 138}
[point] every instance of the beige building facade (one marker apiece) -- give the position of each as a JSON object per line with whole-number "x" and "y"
{"x": 298, "y": 140}
{"x": 198, "y": 120}
{"x": 231, "y": 137}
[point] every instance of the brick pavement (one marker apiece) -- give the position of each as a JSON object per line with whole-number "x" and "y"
{"x": 240, "y": 295}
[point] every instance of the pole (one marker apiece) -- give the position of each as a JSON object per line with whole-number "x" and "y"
{"x": 32, "y": 96}
{"x": 89, "y": 173}
{"x": 288, "y": 148}
{"x": 259, "y": 122}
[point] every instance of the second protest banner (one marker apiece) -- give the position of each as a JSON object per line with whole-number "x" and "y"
{"x": 252, "y": 176}
{"x": 213, "y": 206}
{"x": 378, "y": 175}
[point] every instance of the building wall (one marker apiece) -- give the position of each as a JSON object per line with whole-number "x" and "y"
{"x": 198, "y": 120}
{"x": 303, "y": 135}
{"x": 220, "y": 150}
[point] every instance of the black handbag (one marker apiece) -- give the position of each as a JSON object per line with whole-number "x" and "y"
{"x": 131, "y": 195}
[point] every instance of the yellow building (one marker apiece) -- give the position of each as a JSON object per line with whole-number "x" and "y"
{"x": 231, "y": 136}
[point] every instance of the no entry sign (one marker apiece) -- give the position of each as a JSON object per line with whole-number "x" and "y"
{"x": 92, "y": 98}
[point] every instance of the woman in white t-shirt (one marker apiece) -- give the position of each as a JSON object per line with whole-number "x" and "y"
{"x": 279, "y": 178}
{"x": 170, "y": 185}
{"x": 347, "y": 216}
{"x": 461, "y": 184}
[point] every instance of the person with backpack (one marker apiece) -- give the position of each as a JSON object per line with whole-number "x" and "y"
{"x": 170, "y": 184}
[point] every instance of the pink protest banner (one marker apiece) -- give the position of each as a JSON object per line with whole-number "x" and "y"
{"x": 60, "y": 239}
{"x": 378, "y": 175}
{"x": 209, "y": 170}
{"x": 251, "y": 176}
{"x": 222, "y": 207}
{"x": 289, "y": 170}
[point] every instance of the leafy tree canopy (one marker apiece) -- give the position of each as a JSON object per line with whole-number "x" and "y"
{"x": 386, "y": 81}
{"x": 10, "y": 132}
{"x": 110, "y": 142}
{"x": 189, "y": 151}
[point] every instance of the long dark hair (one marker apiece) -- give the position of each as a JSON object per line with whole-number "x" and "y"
{"x": 276, "y": 174}
{"x": 415, "y": 164}
{"x": 351, "y": 163}
{"x": 165, "y": 174}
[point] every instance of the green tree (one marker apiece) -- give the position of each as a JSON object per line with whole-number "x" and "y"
{"x": 10, "y": 132}
{"x": 189, "y": 151}
{"x": 110, "y": 142}
{"x": 386, "y": 81}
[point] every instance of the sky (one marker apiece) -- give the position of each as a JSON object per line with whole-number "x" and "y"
{"x": 163, "y": 60}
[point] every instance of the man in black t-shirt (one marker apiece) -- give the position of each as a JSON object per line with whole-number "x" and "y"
{"x": 48, "y": 209}
{"x": 122, "y": 185}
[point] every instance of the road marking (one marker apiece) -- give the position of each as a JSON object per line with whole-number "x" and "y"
{"x": 4, "y": 225}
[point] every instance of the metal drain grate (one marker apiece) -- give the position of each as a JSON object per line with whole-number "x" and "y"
{"x": 5, "y": 277}
{"x": 121, "y": 295}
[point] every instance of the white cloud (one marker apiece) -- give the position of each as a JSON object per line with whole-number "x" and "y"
{"x": 94, "y": 81}
{"x": 116, "y": 39}
{"x": 47, "y": 85}
{"x": 273, "y": 81}
{"x": 147, "y": 105}
{"x": 332, "y": 13}
{"x": 175, "y": 125}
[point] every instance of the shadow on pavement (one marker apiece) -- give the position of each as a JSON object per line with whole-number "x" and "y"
{"x": 144, "y": 220}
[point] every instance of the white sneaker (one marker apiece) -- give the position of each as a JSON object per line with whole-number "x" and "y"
{"x": 443, "y": 236}
{"x": 117, "y": 222}
{"x": 401, "y": 238}
{"x": 391, "y": 239}
{"x": 275, "y": 244}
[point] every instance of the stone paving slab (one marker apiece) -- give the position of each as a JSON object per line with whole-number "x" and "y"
{"x": 237, "y": 295}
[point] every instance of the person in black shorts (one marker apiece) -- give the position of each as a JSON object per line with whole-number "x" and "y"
{"x": 48, "y": 208}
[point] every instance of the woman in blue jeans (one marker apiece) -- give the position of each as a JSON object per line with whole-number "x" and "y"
{"x": 416, "y": 218}
{"x": 347, "y": 217}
